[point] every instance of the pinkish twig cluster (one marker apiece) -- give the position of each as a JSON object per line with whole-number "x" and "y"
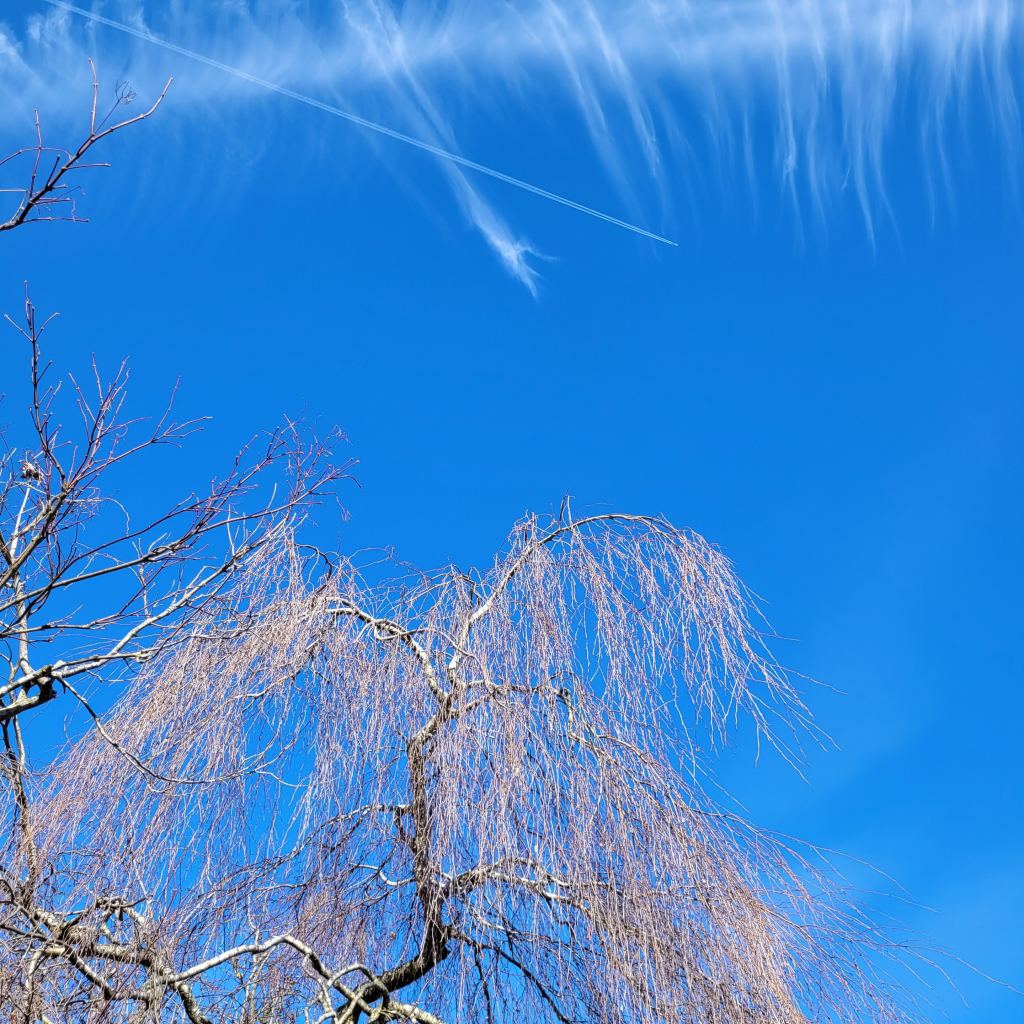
{"x": 459, "y": 796}
{"x": 47, "y": 196}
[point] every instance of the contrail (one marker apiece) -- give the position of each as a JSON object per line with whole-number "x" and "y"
{"x": 355, "y": 119}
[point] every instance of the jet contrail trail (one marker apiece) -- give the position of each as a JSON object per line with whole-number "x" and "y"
{"x": 355, "y": 119}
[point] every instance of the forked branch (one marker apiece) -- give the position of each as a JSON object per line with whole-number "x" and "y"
{"x": 47, "y": 193}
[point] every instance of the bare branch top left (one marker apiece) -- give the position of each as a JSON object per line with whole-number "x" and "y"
{"x": 48, "y": 194}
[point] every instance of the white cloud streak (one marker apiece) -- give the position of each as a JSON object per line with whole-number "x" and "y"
{"x": 654, "y": 81}
{"x": 409, "y": 140}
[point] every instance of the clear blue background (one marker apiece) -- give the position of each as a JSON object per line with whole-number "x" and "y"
{"x": 846, "y": 422}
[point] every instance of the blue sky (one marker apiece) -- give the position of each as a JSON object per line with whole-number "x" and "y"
{"x": 825, "y": 377}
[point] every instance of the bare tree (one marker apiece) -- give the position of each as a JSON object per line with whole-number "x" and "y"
{"x": 89, "y": 595}
{"x": 48, "y": 196}
{"x": 451, "y": 796}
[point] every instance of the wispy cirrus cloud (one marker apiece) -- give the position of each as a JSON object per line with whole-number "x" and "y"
{"x": 830, "y": 77}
